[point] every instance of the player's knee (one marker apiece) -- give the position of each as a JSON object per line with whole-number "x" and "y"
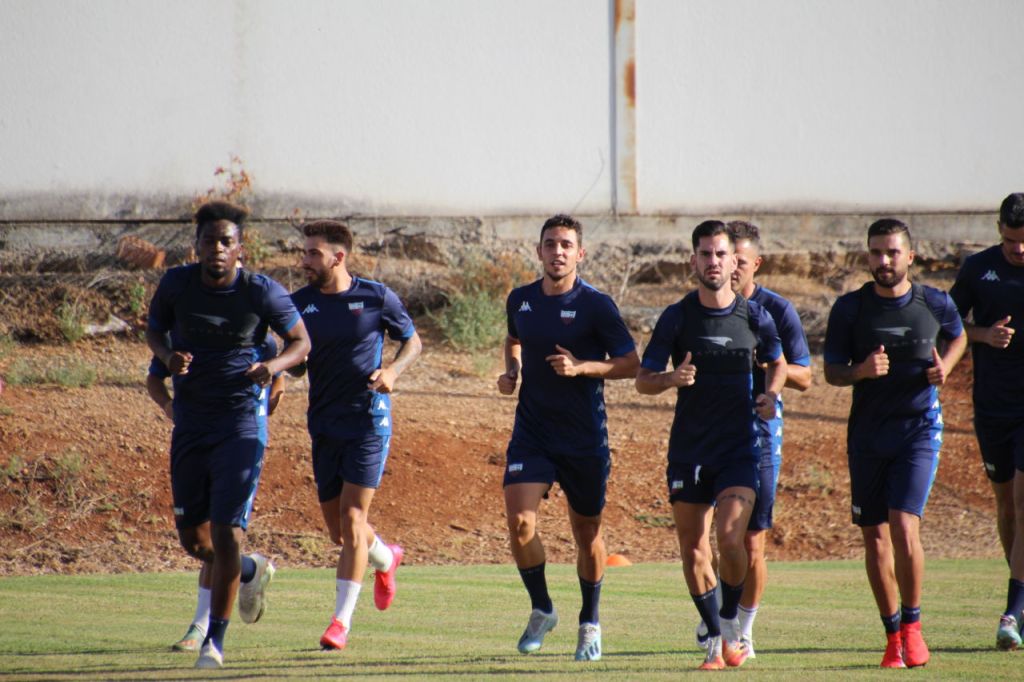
{"x": 353, "y": 525}
{"x": 197, "y": 550}
{"x": 522, "y": 527}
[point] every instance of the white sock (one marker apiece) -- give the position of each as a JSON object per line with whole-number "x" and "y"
{"x": 202, "y": 618}
{"x": 747, "y": 617}
{"x": 380, "y": 555}
{"x": 345, "y": 601}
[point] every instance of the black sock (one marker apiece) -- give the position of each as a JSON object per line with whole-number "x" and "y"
{"x": 537, "y": 587}
{"x": 909, "y": 614}
{"x": 591, "y": 599}
{"x": 707, "y": 607}
{"x": 730, "y": 599}
{"x": 1015, "y": 598}
{"x": 891, "y": 623}
{"x": 248, "y": 568}
{"x": 218, "y": 626}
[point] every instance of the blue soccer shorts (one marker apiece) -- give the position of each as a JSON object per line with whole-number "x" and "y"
{"x": 1001, "y": 441}
{"x": 582, "y": 477}
{"x": 358, "y": 460}
{"x": 703, "y": 483}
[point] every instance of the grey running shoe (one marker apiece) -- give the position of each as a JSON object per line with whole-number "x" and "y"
{"x": 210, "y": 658}
{"x": 702, "y": 635}
{"x": 1008, "y": 634}
{"x": 588, "y": 644}
{"x": 192, "y": 640}
{"x": 252, "y": 600}
{"x": 540, "y": 624}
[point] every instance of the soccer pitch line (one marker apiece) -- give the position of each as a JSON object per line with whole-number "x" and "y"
{"x": 462, "y": 622}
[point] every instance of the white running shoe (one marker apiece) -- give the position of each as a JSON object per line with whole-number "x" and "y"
{"x": 749, "y": 643}
{"x": 540, "y": 624}
{"x": 252, "y": 600}
{"x": 1008, "y": 634}
{"x": 702, "y": 635}
{"x": 210, "y": 658}
{"x": 588, "y": 644}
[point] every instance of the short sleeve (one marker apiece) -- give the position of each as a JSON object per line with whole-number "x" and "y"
{"x": 278, "y": 307}
{"x": 769, "y": 345}
{"x": 838, "y": 333}
{"x": 395, "y": 318}
{"x": 659, "y": 348}
{"x": 962, "y": 292}
{"x": 794, "y": 340}
{"x": 510, "y": 316}
{"x": 612, "y": 330}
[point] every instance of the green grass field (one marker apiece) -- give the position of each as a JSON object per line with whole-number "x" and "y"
{"x": 818, "y": 620}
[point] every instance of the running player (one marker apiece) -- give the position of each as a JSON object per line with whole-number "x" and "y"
{"x": 990, "y": 287}
{"x": 566, "y": 338}
{"x": 714, "y": 338}
{"x": 217, "y": 314}
{"x": 349, "y": 415}
{"x": 747, "y": 238}
{"x": 156, "y": 387}
{"x": 883, "y": 339}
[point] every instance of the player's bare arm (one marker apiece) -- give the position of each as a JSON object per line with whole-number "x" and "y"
{"x": 998, "y": 335}
{"x": 568, "y": 365}
{"x": 513, "y": 364}
{"x": 649, "y": 382}
{"x": 157, "y": 390}
{"x": 774, "y": 380}
{"x": 798, "y": 377}
{"x": 383, "y": 380}
{"x": 875, "y": 365}
{"x": 296, "y": 349}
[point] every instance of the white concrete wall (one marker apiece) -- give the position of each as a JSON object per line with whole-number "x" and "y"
{"x": 123, "y": 108}
{"x": 829, "y": 104}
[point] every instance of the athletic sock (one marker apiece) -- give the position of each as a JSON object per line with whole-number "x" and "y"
{"x": 591, "y": 599}
{"x": 201, "y": 619}
{"x": 707, "y": 607}
{"x": 909, "y": 614}
{"x": 218, "y": 626}
{"x": 891, "y": 623}
{"x": 730, "y": 599}
{"x": 1015, "y": 598}
{"x": 380, "y": 555}
{"x": 537, "y": 587}
{"x": 345, "y": 601}
{"x": 747, "y": 617}
{"x": 248, "y": 568}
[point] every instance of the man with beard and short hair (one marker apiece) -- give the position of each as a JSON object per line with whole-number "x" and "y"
{"x": 884, "y": 340}
{"x": 714, "y": 338}
{"x": 349, "y": 416}
{"x": 990, "y": 288}
{"x": 566, "y": 338}
{"x": 217, "y": 315}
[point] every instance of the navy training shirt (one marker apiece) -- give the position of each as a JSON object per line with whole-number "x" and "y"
{"x": 714, "y": 418}
{"x": 791, "y": 333}
{"x": 347, "y": 333}
{"x": 565, "y": 415}
{"x": 222, "y": 329}
{"x": 991, "y": 288}
{"x": 888, "y": 413}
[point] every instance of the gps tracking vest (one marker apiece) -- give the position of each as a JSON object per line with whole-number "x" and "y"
{"x": 718, "y": 344}
{"x": 908, "y": 333}
{"x": 215, "y": 319}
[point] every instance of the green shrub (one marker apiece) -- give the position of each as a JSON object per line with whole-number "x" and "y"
{"x": 473, "y": 321}
{"x": 71, "y": 320}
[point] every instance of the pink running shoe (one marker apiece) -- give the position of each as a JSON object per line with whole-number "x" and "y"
{"x": 384, "y": 585}
{"x": 335, "y": 636}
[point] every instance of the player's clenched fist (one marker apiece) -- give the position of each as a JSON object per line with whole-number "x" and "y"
{"x": 875, "y": 365}
{"x": 937, "y": 372}
{"x": 507, "y": 382}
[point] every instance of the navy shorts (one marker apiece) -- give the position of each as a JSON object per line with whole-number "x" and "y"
{"x": 769, "y": 447}
{"x": 214, "y": 476}
{"x": 902, "y": 482}
{"x": 1001, "y": 441}
{"x": 583, "y": 478}
{"x": 702, "y": 483}
{"x": 358, "y": 460}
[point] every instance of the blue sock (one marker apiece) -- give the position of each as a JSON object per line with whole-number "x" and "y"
{"x": 215, "y": 634}
{"x": 537, "y": 587}
{"x": 909, "y": 614}
{"x": 1015, "y": 598}
{"x": 707, "y": 607}
{"x": 730, "y": 599}
{"x": 248, "y": 568}
{"x": 891, "y": 623}
{"x": 591, "y": 599}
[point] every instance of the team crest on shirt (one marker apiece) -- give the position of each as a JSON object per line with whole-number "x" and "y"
{"x": 568, "y": 316}
{"x": 356, "y": 307}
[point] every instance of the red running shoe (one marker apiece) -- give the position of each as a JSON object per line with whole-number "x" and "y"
{"x": 893, "y": 657}
{"x": 335, "y": 636}
{"x": 384, "y": 585}
{"x": 915, "y": 651}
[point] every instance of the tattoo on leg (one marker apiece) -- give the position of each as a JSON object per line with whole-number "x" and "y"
{"x": 743, "y": 499}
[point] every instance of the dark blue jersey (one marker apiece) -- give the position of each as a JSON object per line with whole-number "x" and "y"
{"x": 889, "y": 412}
{"x": 714, "y": 418}
{"x": 791, "y": 332}
{"x": 222, "y": 329}
{"x": 989, "y": 288}
{"x": 565, "y": 414}
{"x": 267, "y": 351}
{"x": 347, "y": 332}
